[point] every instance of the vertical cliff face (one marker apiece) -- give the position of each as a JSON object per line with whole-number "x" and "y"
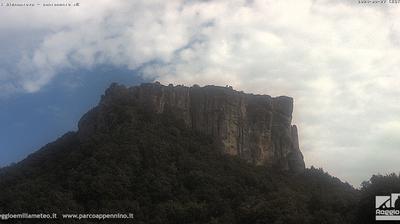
{"x": 256, "y": 128}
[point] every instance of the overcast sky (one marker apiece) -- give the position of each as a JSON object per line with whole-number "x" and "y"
{"x": 339, "y": 60}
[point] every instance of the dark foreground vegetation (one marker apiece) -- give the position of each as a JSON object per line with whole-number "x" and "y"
{"x": 154, "y": 167}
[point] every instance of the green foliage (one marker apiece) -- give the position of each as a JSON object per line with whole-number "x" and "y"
{"x": 377, "y": 185}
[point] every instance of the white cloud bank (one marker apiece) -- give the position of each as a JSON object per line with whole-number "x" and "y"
{"x": 340, "y": 61}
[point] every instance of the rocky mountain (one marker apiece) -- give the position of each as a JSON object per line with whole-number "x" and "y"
{"x": 257, "y": 128}
{"x": 184, "y": 155}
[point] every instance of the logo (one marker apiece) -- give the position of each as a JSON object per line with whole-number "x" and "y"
{"x": 387, "y": 207}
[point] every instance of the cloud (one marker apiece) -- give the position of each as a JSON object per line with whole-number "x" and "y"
{"x": 338, "y": 59}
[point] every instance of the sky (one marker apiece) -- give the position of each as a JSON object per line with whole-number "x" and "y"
{"x": 339, "y": 60}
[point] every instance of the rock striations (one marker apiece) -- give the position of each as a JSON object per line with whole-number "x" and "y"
{"x": 256, "y": 128}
